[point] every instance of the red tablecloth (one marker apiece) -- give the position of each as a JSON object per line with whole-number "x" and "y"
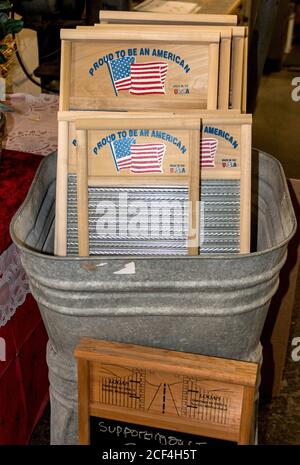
{"x": 24, "y": 383}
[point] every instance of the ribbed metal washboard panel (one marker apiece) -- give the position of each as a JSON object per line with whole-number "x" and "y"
{"x": 135, "y": 221}
{"x": 220, "y": 200}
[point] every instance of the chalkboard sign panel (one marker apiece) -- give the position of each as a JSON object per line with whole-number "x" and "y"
{"x": 118, "y": 435}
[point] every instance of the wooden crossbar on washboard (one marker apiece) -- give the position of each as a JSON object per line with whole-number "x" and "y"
{"x": 133, "y": 68}
{"x": 183, "y": 392}
{"x": 101, "y": 159}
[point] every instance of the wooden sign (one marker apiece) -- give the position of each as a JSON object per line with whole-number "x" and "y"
{"x": 177, "y": 391}
{"x": 217, "y": 143}
{"x": 134, "y": 68}
{"x": 138, "y": 17}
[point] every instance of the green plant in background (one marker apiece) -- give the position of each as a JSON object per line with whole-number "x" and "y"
{"x": 7, "y": 26}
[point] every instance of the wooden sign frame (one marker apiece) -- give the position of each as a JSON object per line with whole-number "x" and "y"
{"x": 217, "y": 122}
{"x": 233, "y": 55}
{"x": 139, "y": 17}
{"x": 80, "y": 53}
{"x": 179, "y": 389}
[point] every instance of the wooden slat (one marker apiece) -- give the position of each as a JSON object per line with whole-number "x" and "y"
{"x": 153, "y": 33}
{"x": 60, "y": 245}
{"x": 220, "y": 174}
{"x": 220, "y": 116}
{"x": 208, "y": 367}
{"x": 224, "y": 31}
{"x": 245, "y": 76}
{"x": 213, "y": 74}
{"x": 194, "y": 183}
{"x": 140, "y": 123}
{"x": 82, "y": 194}
{"x": 65, "y": 67}
{"x": 239, "y": 31}
{"x": 144, "y": 103}
{"x": 131, "y": 17}
{"x": 247, "y": 415}
{"x": 168, "y": 181}
{"x": 245, "y": 189}
{"x": 224, "y": 75}
{"x": 237, "y": 72}
{"x": 146, "y": 181}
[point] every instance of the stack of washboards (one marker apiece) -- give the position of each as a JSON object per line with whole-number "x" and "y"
{"x": 154, "y": 149}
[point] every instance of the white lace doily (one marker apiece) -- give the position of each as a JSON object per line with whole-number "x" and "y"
{"x": 32, "y": 127}
{"x": 13, "y": 284}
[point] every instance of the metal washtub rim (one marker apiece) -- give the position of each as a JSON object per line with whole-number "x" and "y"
{"x": 106, "y": 286}
{"x": 210, "y": 256}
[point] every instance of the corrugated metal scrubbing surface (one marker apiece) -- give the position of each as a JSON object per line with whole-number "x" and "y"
{"x": 139, "y": 220}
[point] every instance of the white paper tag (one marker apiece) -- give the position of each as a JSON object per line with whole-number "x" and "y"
{"x": 129, "y": 268}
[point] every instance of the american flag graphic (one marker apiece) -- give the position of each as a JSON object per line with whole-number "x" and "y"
{"x": 208, "y": 149}
{"x": 121, "y": 150}
{"x": 119, "y": 70}
{"x": 148, "y": 78}
{"x": 147, "y": 158}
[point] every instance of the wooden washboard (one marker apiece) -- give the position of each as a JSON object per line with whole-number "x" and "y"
{"x": 96, "y": 64}
{"x": 232, "y": 90}
{"x": 225, "y": 169}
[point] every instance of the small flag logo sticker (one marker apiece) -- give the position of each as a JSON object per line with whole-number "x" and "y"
{"x": 137, "y": 78}
{"x": 139, "y": 158}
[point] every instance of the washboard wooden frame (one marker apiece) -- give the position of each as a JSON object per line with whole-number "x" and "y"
{"x": 89, "y": 75}
{"x": 232, "y": 90}
{"x": 103, "y": 366}
{"x": 229, "y": 131}
{"x": 225, "y": 62}
{"x": 191, "y": 132}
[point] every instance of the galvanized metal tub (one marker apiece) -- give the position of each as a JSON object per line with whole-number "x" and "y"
{"x": 214, "y": 304}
